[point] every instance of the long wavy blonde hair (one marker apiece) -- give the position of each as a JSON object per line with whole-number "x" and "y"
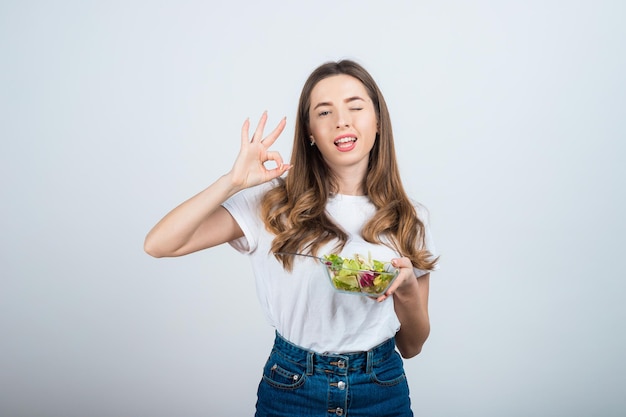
{"x": 294, "y": 211}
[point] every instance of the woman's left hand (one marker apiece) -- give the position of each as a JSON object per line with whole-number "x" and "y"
{"x": 410, "y": 296}
{"x": 406, "y": 278}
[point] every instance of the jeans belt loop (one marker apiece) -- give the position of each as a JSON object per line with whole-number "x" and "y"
{"x": 370, "y": 362}
{"x": 309, "y": 363}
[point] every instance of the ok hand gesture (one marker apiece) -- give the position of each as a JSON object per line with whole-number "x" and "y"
{"x": 249, "y": 168}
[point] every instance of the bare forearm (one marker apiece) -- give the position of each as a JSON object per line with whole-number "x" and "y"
{"x": 177, "y": 229}
{"x": 411, "y": 306}
{"x": 200, "y": 222}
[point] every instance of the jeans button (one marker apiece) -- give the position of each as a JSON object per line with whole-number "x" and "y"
{"x": 341, "y": 385}
{"x": 339, "y": 411}
{"x": 341, "y": 364}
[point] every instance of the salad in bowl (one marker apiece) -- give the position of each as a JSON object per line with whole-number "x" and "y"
{"x": 359, "y": 275}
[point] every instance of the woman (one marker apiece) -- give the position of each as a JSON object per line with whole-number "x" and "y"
{"x": 334, "y": 352}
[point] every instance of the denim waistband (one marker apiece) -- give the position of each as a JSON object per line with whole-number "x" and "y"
{"x": 339, "y": 363}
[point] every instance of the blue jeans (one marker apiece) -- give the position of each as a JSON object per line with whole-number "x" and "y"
{"x": 298, "y": 382}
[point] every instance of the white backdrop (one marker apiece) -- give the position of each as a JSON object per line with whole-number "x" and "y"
{"x": 509, "y": 126}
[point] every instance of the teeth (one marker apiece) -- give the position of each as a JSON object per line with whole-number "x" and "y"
{"x": 345, "y": 140}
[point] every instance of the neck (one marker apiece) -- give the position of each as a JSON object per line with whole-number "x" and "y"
{"x": 350, "y": 180}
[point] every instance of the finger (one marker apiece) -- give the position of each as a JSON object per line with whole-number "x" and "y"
{"x": 258, "y": 133}
{"x": 245, "y": 128}
{"x": 274, "y": 156}
{"x": 403, "y": 262}
{"x": 400, "y": 263}
{"x": 271, "y": 138}
{"x": 390, "y": 291}
{"x": 278, "y": 171}
{"x": 280, "y": 168}
{"x": 393, "y": 288}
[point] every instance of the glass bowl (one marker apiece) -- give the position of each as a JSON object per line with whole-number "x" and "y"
{"x": 344, "y": 279}
{"x": 361, "y": 281}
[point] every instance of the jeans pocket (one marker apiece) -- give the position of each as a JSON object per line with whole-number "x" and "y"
{"x": 282, "y": 373}
{"x": 389, "y": 372}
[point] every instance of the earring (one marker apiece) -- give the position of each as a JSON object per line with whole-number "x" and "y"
{"x": 312, "y": 141}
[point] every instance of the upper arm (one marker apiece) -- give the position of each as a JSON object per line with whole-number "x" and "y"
{"x": 424, "y": 289}
{"x": 217, "y": 228}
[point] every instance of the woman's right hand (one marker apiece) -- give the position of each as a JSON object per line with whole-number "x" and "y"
{"x": 201, "y": 221}
{"x": 249, "y": 168}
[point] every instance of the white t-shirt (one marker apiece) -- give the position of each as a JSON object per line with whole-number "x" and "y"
{"x": 302, "y": 305}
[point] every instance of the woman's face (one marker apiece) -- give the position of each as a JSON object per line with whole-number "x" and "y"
{"x": 342, "y": 122}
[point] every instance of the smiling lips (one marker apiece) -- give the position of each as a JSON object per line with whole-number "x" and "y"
{"x": 345, "y": 143}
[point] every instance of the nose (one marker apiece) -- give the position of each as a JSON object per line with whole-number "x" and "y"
{"x": 343, "y": 118}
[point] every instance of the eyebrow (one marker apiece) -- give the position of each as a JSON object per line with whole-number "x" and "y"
{"x": 328, "y": 103}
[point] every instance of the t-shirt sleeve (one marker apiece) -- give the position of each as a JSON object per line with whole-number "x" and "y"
{"x": 424, "y": 216}
{"x": 245, "y": 207}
